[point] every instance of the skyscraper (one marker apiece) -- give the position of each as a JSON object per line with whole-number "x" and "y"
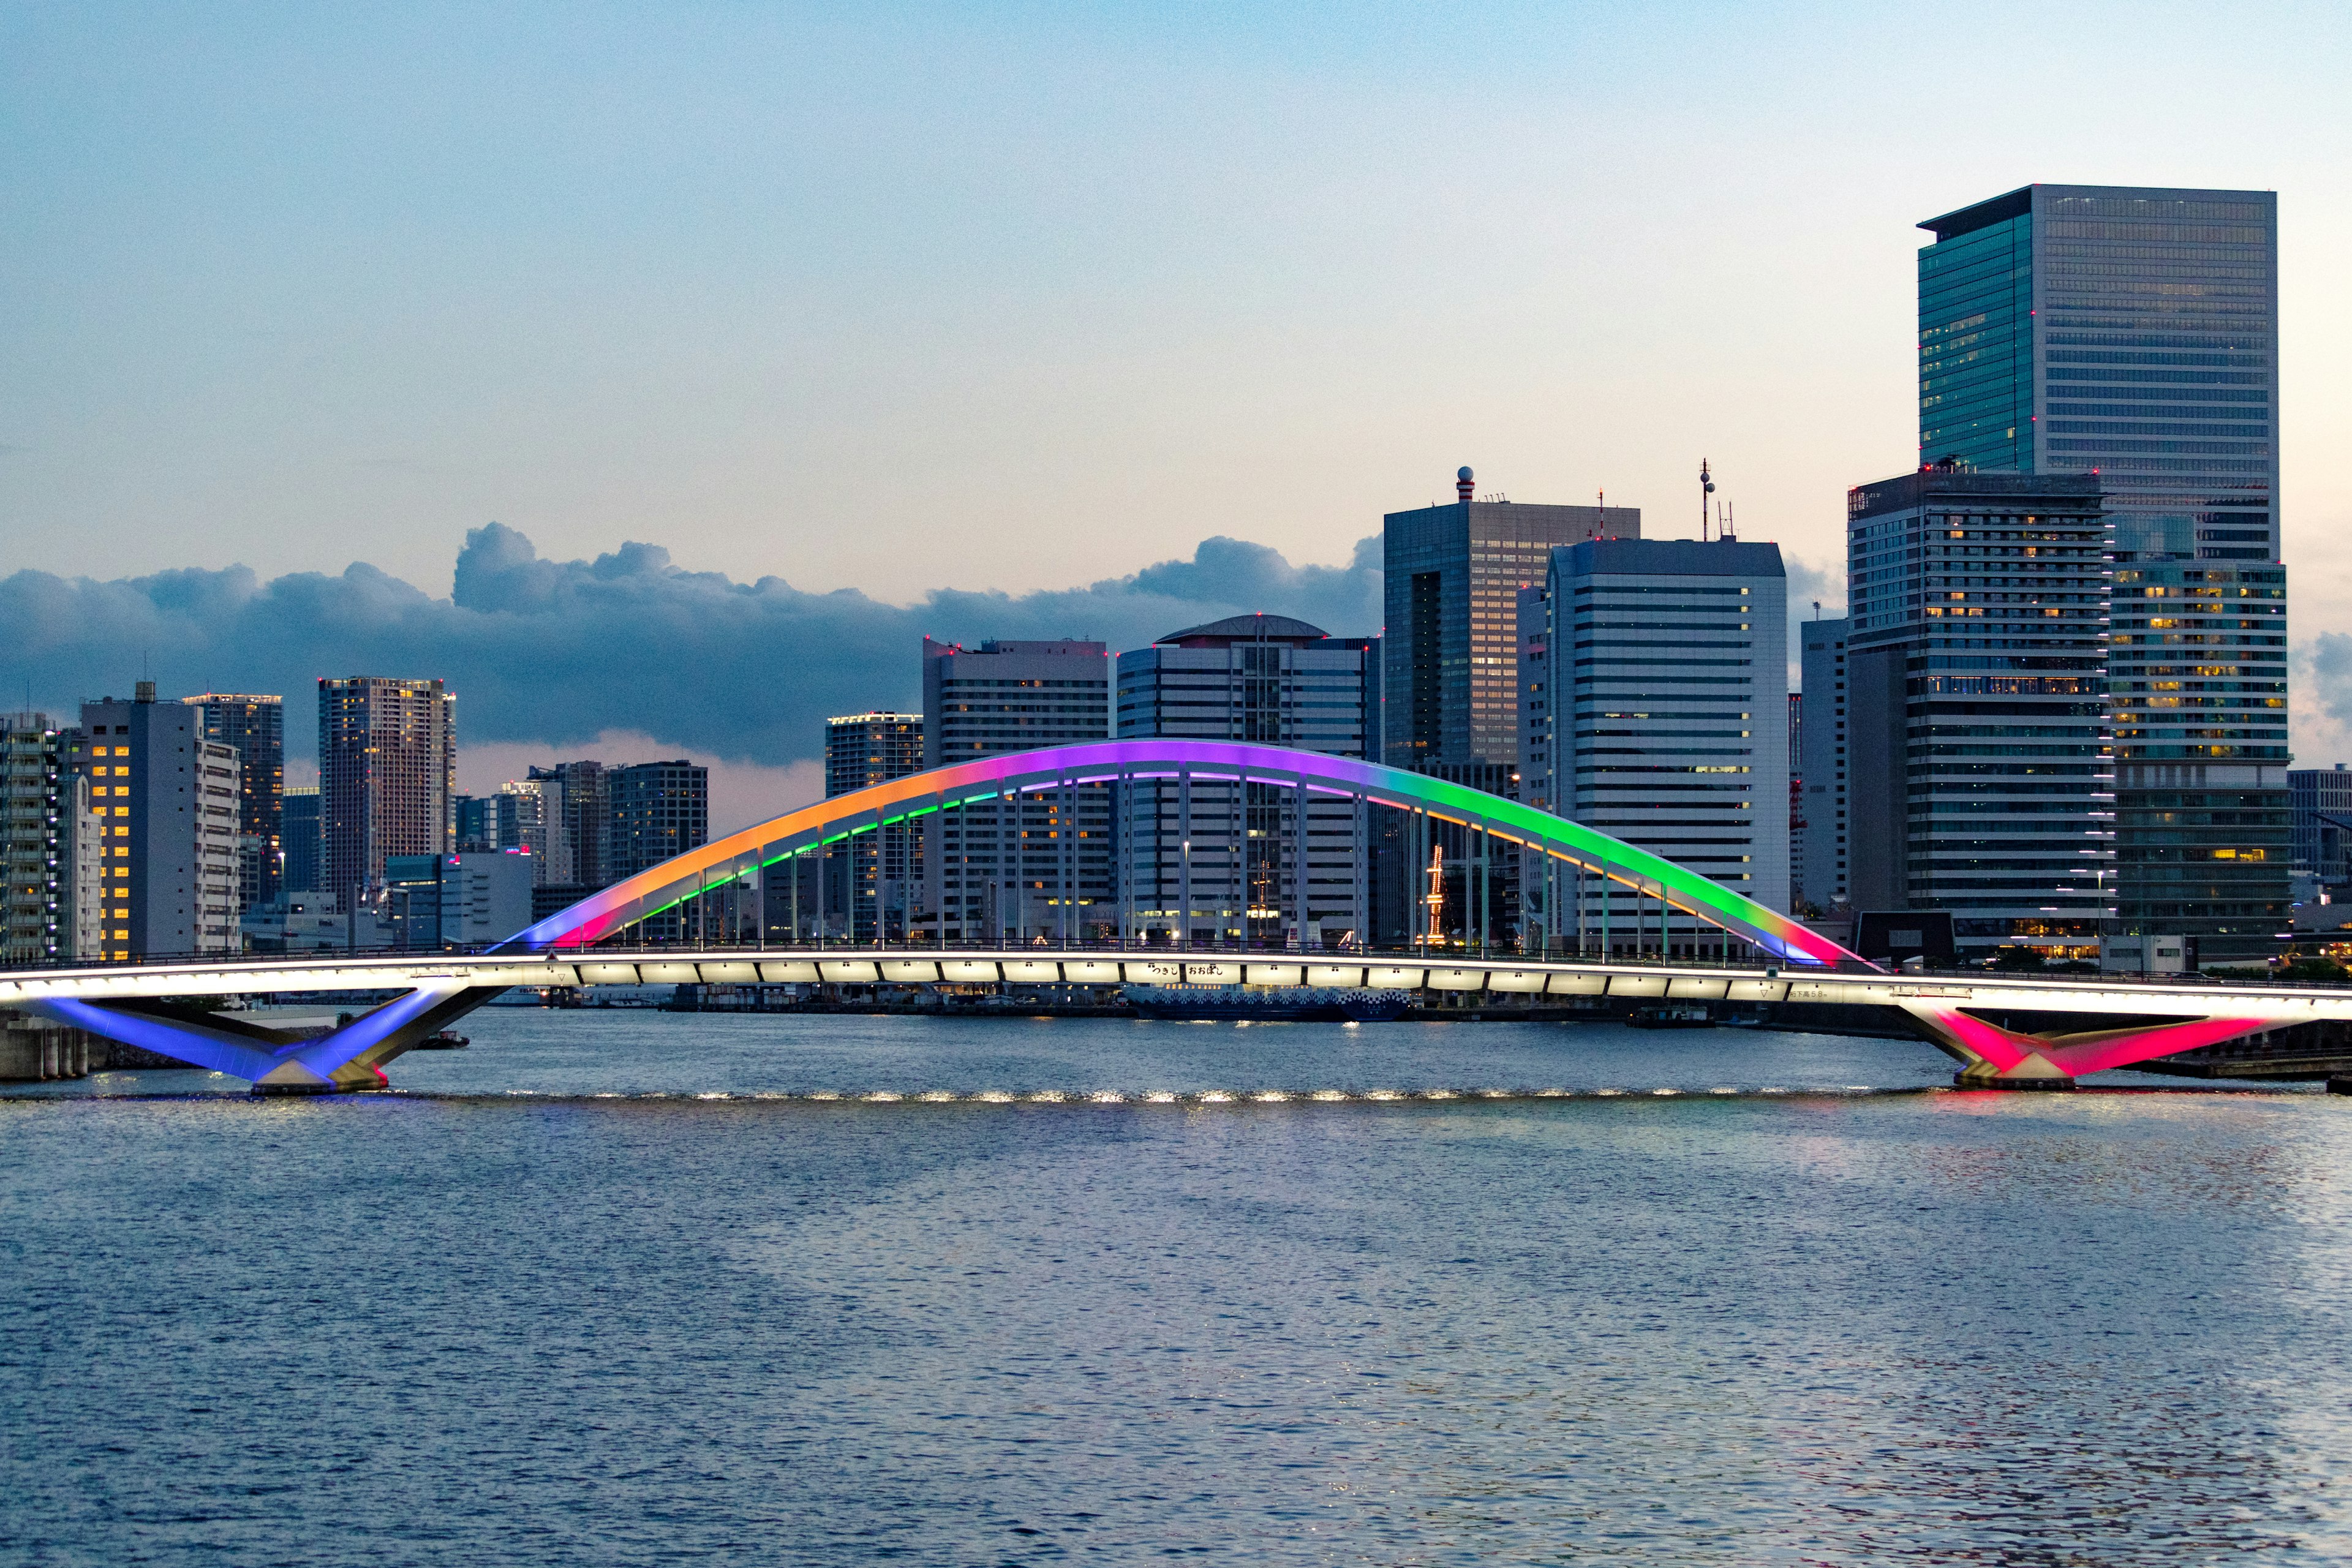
{"x": 2131, "y": 333}
{"x": 1977, "y": 734}
{"x": 165, "y": 801}
{"x": 1670, "y": 695}
{"x": 1451, "y": 647}
{"x": 388, "y": 775}
{"x": 1260, "y": 861}
{"x": 1001, "y": 871}
{"x": 255, "y": 728}
{"x": 876, "y": 874}
{"x": 1822, "y": 769}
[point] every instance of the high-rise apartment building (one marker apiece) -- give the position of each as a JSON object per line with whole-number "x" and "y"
{"x": 37, "y": 798}
{"x": 999, "y": 870}
{"x": 1670, "y": 686}
{"x": 255, "y": 728}
{"x": 581, "y": 854}
{"x": 659, "y": 810}
{"x": 662, "y": 809}
{"x": 874, "y": 875}
{"x": 1977, "y": 732}
{"x": 1259, "y": 861}
{"x": 165, "y": 807}
{"x": 1821, "y": 765}
{"x": 388, "y": 775}
{"x": 2132, "y": 333}
{"x": 1451, "y": 647}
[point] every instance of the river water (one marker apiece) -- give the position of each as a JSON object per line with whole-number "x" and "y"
{"x": 611, "y": 1288}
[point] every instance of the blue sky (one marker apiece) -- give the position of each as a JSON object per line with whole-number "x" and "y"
{"x": 1021, "y": 297}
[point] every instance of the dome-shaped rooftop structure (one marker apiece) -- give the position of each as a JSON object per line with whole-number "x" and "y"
{"x": 1245, "y": 628}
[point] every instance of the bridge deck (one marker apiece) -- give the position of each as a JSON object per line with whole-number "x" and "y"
{"x": 2185, "y": 997}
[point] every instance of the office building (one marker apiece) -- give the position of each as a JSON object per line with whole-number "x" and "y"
{"x": 1537, "y": 786}
{"x": 165, "y": 804}
{"x": 387, "y": 776}
{"x": 578, "y": 796}
{"x": 1796, "y": 802}
{"x": 405, "y": 905}
{"x": 255, "y": 728}
{"x": 1976, "y": 670}
{"x": 1450, "y": 648}
{"x": 1031, "y": 869}
{"x": 1670, "y": 694}
{"x": 1209, "y": 860}
{"x": 476, "y": 823}
{"x": 2321, "y": 801}
{"x": 1822, "y": 765}
{"x": 298, "y": 836}
{"x": 876, "y": 876}
{"x": 36, "y": 789}
{"x": 484, "y": 896}
{"x": 660, "y": 810}
{"x": 2131, "y": 333}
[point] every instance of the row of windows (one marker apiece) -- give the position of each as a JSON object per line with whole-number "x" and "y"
{"x": 2250, "y": 434}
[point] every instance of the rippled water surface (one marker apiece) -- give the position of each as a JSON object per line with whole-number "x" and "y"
{"x": 614, "y": 1288}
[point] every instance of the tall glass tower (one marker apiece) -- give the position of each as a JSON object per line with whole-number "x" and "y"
{"x": 2132, "y": 333}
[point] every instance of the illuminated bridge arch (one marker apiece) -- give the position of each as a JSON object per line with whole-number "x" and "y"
{"x": 807, "y": 831}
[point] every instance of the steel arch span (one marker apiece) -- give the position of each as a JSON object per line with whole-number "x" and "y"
{"x": 808, "y": 830}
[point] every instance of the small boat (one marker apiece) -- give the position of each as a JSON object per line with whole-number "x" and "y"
{"x": 1267, "y": 1003}
{"x": 1671, "y": 1015}
{"x": 445, "y": 1040}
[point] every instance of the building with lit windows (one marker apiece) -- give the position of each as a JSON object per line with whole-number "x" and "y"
{"x": 1239, "y": 873}
{"x": 2131, "y": 333}
{"x": 578, "y": 807}
{"x": 874, "y": 875}
{"x": 1450, "y": 650}
{"x": 1670, "y": 695}
{"x": 255, "y": 728}
{"x": 661, "y": 810}
{"x": 165, "y": 819}
{"x": 1003, "y": 871}
{"x": 387, "y": 776}
{"x": 1977, "y": 740}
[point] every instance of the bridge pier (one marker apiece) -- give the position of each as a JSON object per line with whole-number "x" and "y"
{"x": 2036, "y": 1072}
{"x": 1997, "y": 1057}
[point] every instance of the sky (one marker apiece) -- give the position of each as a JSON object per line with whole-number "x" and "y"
{"x": 863, "y": 321}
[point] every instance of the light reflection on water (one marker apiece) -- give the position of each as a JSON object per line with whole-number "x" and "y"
{"x": 605, "y": 1286}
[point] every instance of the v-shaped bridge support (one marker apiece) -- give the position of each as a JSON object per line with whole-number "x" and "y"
{"x": 1996, "y": 1058}
{"x": 352, "y": 1057}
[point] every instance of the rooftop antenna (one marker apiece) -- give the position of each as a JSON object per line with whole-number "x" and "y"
{"x": 1817, "y": 609}
{"x": 1705, "y": 489}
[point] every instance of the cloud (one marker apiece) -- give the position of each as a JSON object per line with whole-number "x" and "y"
{"x": 556, "y": 654}
{"x": 2320, "y": 704}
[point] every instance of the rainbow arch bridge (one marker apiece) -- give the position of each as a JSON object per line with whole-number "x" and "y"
{"x": 147, "y": 1004}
